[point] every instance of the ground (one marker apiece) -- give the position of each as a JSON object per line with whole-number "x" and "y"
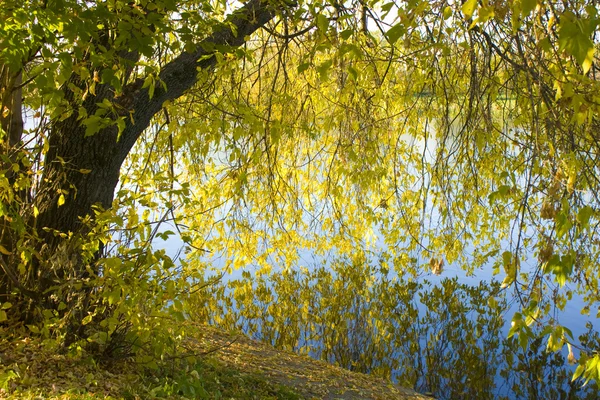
{"x": 312, "y": 379}
{"x": 232, "y": 366}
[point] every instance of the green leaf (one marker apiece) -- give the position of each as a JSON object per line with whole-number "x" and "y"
{"x": 88, "y": 318}
{"x": 395, "y": 33}
{"x": 107, "y": 75}
{"x": 527, "y": 6}
{"x": 322, "y": 22}
{"x": 6, "y": 305}
{"x": 563, "y": 223}
{"x": 151, "y": 91}
{"x": 149, "y": 83}
{"x": 6, "y": 377}
{"x": 93, "y": 124}
{"x": 303, "y": 67}
{"x": 323, "y": 69}
{"x": 346, "y": 34}
{"x": 114, "y": 296}
{"x": 353, "y": 72}
{"x": 387, "y": 6}
{"x": 447, "y": 12}
{"x": 485, "y": 14}
{"x": 574, "y": 36}
{"x": 3, "y": 316}
{"x": 583, "y": 215}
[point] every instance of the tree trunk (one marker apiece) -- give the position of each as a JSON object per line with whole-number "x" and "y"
{"x": 72, "y": 155}
{"x": 11, "y": 123}
{"x": 80, "y": 172}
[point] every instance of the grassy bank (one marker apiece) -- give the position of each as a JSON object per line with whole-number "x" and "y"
{"x": 228, "y": 366}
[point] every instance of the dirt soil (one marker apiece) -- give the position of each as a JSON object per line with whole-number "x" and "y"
{"x": 310, "y": 378}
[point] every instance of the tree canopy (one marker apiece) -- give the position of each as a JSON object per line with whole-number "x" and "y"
{"x": 418, "y": 134}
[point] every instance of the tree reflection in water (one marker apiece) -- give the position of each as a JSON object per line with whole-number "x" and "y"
{"x": 449, "y": 340}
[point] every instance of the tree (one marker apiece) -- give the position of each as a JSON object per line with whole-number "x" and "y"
{"x": 81, "y": 168}
{"x": 416, "y": 132}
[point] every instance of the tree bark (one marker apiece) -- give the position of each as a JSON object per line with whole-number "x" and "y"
{"x": 11, "y": 123}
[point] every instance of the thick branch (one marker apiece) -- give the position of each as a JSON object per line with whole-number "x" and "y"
{"x": 180, "y": 74}
{"x": 104, "y": 153}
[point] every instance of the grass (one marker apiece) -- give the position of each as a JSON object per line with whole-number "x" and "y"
{"x": 29, "y": 371}
{"x": 233, "y": 367}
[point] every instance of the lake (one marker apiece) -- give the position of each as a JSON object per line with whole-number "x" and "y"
{"x": 438, "y": 334}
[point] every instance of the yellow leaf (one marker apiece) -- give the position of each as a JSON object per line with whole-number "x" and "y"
{"x": 4, "y": 251}
{"x": 61, "y": 200}
{"x": 447, "y": 12}
{"x": 588, "y": 61}
{"x": 468, "y": 8}
{"x": 437, "y": 266}
{"x": 36, "y": 212}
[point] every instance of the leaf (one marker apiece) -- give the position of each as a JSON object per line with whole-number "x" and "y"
{"x": 303, "y": 67}
{"x": 468, "y": 8}
{"x": 574, "y": 36}
{"x": 395, "y": 33}
{"x": 151, "y": 91}
{"x": 447, "y": 12}
{"x": 107, "y": 75}
{"x": 563, "y": 223}
{"x": 583, "y": 215}
{"x": 93, "y": 124}
{"x": 4, "y": 251}
{"x": 33, "y": 328}
{"x": 114, "y": 296}
{"x": 323, "y": 70}
{"x": 6, "y": 305}
{"x": 485, "y": 14}
{"x": 61, "y": 200}
{"x": 527, "y": 6}
{"x": 353, "y": 72}
{"x": 322, "y": 22}
{"x": 510, "y": 268}
{"x": 387, "y": 6}
{"x": 346, "y": 34}
{"x": 6, "y": 377}
{"x": 149, "y": 83}
{"x": 580, "y": 369}
{"x": 3, "y": 316}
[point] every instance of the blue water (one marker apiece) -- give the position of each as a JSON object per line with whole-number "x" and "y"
{"x": 570, "y": 316}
